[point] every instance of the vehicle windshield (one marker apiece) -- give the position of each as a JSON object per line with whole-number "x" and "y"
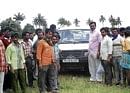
{"x": 74, "y": 36}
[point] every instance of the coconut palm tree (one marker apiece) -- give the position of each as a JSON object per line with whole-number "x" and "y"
{"x": 40, "y": 21}
{"x": 76, "y": 22}
{"x": 35, "y": 22}
{"x": 112, "y": 21}
{"x": 19, "y": 17}
{"x": 63, "y": 22}
{"x": 118, "y": 20}
{"x": 102, "y": 19}
{"x": 89, "y": 21}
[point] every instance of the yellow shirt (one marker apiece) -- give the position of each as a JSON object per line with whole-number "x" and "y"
{"x": 126, "y": 44}
{"x": 15, "y": 56}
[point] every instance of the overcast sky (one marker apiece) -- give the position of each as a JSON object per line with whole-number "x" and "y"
{"x": 52, "y": 10}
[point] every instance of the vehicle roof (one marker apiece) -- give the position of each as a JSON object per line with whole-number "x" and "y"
{"x": 69, "y": 28}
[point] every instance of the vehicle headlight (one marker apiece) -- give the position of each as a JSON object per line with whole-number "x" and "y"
{"x": 85, "y": 53}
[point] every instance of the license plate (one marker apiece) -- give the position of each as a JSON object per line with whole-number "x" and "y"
{"x": 70, "y": 60}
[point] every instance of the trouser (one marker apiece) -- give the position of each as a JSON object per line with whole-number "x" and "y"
{"x": 93, "y": 63}
{"x": 7, "y": 80}
{"x": 108, "y": 71}
{"x": 46, "y": 76}
{"x": 125, "y": 76}
{"x": 116, "y": 69}
{"x": 30, "y": 66}
{"x": 18, "y": 77}
{"x": 35, "y": 70}
{"x": 55, "y": 75}
{"x": 1, "y": 81}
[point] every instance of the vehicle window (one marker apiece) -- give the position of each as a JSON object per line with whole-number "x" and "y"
{"x": 74, "y": 35}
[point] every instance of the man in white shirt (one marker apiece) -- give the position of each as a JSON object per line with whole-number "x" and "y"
{"x": 106, "y": 55}
{"x": 35, "y": 38}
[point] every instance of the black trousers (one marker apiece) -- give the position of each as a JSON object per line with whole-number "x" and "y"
{"x": 46, "y": 77}
{"x": 126, "y": 76}
{"x": 30, "y": 67}
{"x": 7, "y": 81}
{"x": 108, "y": 71}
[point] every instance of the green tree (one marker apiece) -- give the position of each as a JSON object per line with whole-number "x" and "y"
{"x": 40, "y": 21}
{"x": 67, "y": 23}
{"x": 19, "y": 17}
{"x": 102, "y": 19}
{"x": 61, "y": 22}
{"x": 89, "y": 21}
{"x": 76, "y": 22}
{"x": 10, "y": 25}
{"x": 29, "y": 28}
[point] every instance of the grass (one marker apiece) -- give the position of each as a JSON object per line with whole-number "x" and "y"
{"x": 80, "y": 84}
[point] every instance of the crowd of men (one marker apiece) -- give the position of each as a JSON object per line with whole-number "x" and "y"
{"x": 23, "y": 61}
{"x": 37, "y": 56}
{"x": 109, "y": 55}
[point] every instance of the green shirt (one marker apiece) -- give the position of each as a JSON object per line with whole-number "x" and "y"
{"x": 15, "y": 56}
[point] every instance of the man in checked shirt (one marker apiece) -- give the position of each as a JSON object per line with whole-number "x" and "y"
{"x": 3, "y": 65}
{"x": 27, "y": 47}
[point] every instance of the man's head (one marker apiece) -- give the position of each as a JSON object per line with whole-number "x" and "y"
{"x": 122, "y": 31}
{"x": 114, "y": 31}
{"x": 7, "y": 34}
{"x": 57, "y": 34}
{"x": 31, "y": 35}
{"x": 38, "y": 30}
{"x": 127, "y": 32}
{"x": 15, "y": 37}
{"x": 26, "y": 35}
{"x": 1, "y": 35}
{"x": 40, "y": 35}
{"x": 103, "y": 31}
{"x": 53, "y": 27}
{"x": 55, "y": 37}
{"x": 108, "y": 31}
{"x": 48, "y": 33}
{"x": 92, "y": 25}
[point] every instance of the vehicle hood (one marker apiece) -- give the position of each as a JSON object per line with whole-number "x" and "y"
{"x": 73, "y": 46}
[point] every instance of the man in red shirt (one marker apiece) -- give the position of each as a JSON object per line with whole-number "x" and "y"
{"x": 6, "y": 39}
{"x": 3, "y": 65}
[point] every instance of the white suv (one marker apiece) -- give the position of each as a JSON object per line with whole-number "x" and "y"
{"x": 74, "y": 48}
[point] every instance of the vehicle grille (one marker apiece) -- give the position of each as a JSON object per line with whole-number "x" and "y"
{"x": 75, "y": 53}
